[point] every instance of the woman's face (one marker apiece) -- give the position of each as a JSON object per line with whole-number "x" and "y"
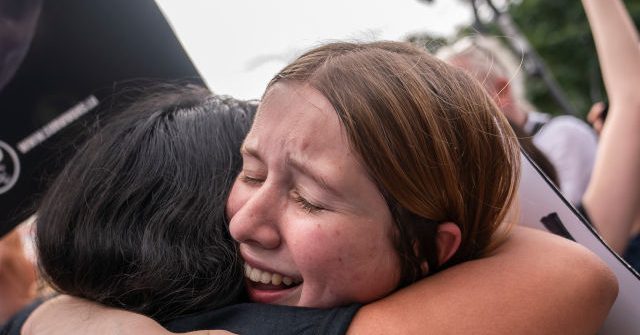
{"x": 313, "y": 228}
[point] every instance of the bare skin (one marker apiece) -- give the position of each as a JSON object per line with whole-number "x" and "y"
{"x": 536, "y": 283}
{"x": 595, "y": 116}
{"x": 17, "y": 276}
{"x": 612, "y": 198}
{"x": 515, "y": 291}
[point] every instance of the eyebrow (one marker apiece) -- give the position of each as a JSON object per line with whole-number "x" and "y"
{"x": 306, "y": 170}
{"x": 299, "y": 166}
{"x": 244, "y": 150}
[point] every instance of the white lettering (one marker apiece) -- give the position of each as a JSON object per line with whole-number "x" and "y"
{"x": 57, "y": 124}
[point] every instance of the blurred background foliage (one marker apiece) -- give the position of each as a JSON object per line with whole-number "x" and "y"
{"x": 558, "y": 30}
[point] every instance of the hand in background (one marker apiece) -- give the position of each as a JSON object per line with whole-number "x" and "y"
{"x": 595, "y": 116}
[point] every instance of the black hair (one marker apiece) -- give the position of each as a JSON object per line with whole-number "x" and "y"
{"x": 136, "y": 219}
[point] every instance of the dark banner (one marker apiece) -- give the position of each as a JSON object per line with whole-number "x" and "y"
{"x": 63, "y": 63}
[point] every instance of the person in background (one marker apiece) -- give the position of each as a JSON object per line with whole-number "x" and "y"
{"x": 597, "y": 115}
{"x": 567, "y": 142}
{"x": 612, "y": 199}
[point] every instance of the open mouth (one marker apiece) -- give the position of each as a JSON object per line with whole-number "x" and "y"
{"x": 271, "y": 288}
{"x": 264, "y": 280}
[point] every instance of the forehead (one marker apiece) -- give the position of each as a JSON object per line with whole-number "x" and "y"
{"x": 297, "y": 116}
{"x": 297, "y": 136}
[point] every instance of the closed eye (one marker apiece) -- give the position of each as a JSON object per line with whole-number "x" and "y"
{"x": 306, "y": 205}
{"x": 250, "y": 180}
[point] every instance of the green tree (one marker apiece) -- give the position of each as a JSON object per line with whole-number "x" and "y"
{"x": 428, "y": 41}
{"x": 560, "y": 33}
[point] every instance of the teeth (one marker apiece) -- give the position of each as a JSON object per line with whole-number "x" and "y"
{"x": 255, "y": 275}
{"x": 265, "y": 277}
{"x": 276, "y": 279}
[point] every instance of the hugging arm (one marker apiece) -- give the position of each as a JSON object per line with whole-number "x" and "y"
{"x": 536, "y": 283}
{"x": 612, "y": 198}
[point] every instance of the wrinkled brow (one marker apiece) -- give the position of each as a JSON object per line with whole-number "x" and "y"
{"x": 308, "y": 171}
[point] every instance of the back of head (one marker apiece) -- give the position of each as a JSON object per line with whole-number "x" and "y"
{"x": 136, "y": 219}
{"x": 428, "y": 134}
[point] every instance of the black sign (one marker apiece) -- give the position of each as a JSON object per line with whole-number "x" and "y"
{"x": 63, "y": 64}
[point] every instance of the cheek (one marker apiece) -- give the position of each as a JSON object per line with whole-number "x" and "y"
{"x": 316, "y": 247}
{"x": 353, "y": 265}
{"x": 322, "y": 247}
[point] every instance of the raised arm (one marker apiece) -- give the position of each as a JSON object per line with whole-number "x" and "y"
{"x": 613, "y": 198}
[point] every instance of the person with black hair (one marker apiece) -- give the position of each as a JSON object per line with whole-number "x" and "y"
{"x": 134, "y": 219}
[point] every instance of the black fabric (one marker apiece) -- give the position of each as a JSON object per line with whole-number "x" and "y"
{"x": 252, "y": 318}
{"x": 553, "y": 224}
{"x": 12, "y": 327}
{"x": 247, "y": 318}
{"x": 632, "y": 254}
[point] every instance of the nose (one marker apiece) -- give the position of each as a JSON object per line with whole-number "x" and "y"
{"x": 256, "y": 220}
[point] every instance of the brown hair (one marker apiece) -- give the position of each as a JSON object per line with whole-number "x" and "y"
{"x": 430, "y": 137}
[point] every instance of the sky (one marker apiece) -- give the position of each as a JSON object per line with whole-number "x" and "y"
{"x": 238, "y": 45}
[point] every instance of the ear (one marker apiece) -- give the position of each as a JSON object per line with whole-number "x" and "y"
{"x": 448, "y": 239}
{"x": 502, "y": 91}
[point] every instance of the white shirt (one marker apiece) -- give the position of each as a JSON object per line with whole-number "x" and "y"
{"x": 570, "y": 144}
